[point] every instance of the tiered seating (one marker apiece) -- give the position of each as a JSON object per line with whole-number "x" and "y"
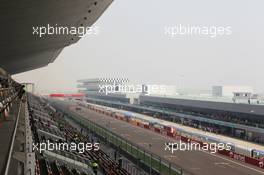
{"x": 106, "y": 162}
{"x": 55, "y": 168}
{"x": 48, "y": 125}
{"x": 44, "y": 167}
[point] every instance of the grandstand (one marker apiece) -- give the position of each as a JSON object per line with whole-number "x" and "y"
{"x": 48, "y": 125}
{"x": 42, "y": 132}
{"x": 27, "y": 122}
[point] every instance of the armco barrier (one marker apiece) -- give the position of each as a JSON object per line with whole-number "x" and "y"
{"x": 236, "y": 156}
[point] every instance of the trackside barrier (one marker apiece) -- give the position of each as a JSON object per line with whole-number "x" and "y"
{"x": 233, "y": 155}
{"x": 242, "y": 158}
{"x": 154, "y": 162}
{"x": 149, "y": 159}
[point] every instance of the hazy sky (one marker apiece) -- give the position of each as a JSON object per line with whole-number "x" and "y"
{"x": 132, "y": 44}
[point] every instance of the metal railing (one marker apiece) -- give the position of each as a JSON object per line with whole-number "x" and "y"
{"x": 12, "y": 142}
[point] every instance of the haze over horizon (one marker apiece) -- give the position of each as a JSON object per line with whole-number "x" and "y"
{"x": 132, "y": 44}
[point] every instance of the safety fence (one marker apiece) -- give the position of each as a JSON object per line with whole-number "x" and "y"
{"x": 154, "y": 163}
